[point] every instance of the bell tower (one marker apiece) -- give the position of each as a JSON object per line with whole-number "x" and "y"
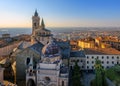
{"x": 35, "y": 21}
{"x": 39, "y": 32}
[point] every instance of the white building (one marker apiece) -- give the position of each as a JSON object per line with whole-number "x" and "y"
{"x": 107, "y": 61}
{"x": 86, "y": 58}
{"x": 108, "y": 56}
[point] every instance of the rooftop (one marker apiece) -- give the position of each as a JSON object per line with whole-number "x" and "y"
{"x": 37, "y": 47}
{"x": 77, "y": 54}
{"x": 65, "y": 48}
{"x": 101, "y": 51}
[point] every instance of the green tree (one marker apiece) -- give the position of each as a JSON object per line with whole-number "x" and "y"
{"x": 100, "y": 79}
{"x": 76, "y": 75}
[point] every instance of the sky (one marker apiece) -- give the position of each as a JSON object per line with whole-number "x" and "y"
{"x": 61, "y": 13}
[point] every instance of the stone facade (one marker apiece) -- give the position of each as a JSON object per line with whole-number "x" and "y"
{"x": 22, "y": 59}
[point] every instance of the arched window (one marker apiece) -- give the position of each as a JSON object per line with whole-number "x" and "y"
{"x": 31, "y": 82}
{"x": 27, "y": 61}
{"x": 47, "y": 80}
{"x": 77, "y": 60}
{"x": 34, "y": 24}
{"x": 62, "y": 83}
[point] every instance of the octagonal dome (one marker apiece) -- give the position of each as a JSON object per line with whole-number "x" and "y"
{"x": 51, "y": 49}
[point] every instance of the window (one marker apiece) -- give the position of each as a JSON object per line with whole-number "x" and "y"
{"x": 87, "y": 62}
{"x": 97, "y": 57}
{"x": 47, "y": 79}
{"x": 92, "y": 62}
{"x": 117, "y": 57}
{"x": 107, "y": 62}
{"x": 72, "y": 60}
{"x": 92, "y": 67}
{"x": 102, "y": 57}
{"x": 112, "y": 57}
{"x": 62, "y": 83}
{"x": 107, "y": 66}
{"x": 92, "y": 57}
{"x": 107, "y": 57}
{"x": 27, "y": 61}
{"x": 34, "y": 24}
{"x": 87, "y": 57}
{"x": 102, "y": 62}
{"x": 87, "y": 67}
{"x": 77, "y": 60}
{"x": 112, "y": 62}
{"x": 81, "y": 61}
{"x": 82, "y": 66}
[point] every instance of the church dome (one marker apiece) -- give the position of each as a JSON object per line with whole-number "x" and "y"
{"x": 51, "y": 50}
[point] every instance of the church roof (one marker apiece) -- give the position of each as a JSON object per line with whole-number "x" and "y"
{"x": 101, "y": 51}
{"x": 37, "y": 47}
{"x": 51, "y": 49}
{"x": 65, "y": 48}
{"x": 24, "y": 45}
{"x": 43, "y": 29}
{"x": 46, "y": 29}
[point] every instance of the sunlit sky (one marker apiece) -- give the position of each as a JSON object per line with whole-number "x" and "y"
{"x": 61, "y": 13}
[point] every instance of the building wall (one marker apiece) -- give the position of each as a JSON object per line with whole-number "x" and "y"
{"x": 52, "y": 74}
{"x": 62, "y": 81}
{"x": 21, "y": 62}
{"x": 81, "y": 62}
{"x": 88, "y": 62}
{"x": 8, "y": 49}
{"x": 88, "y": 44}
{"x": 107, "y": 61}
{"x": 1, "y": 75}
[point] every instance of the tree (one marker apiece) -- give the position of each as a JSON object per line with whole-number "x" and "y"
{"x": 76, "y": 75}
{"x": 100, "y": 79}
